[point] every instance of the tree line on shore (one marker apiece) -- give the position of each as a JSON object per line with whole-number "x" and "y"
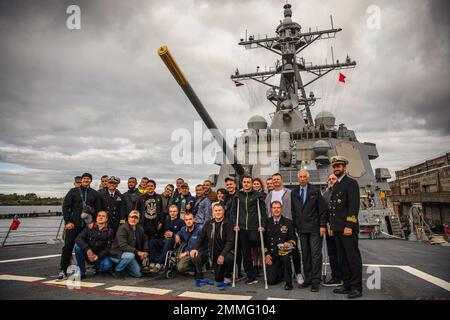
{"x": 29, "y": 199}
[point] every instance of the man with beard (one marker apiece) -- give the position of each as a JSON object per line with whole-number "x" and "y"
{"x": 344, "y": 209}
{"x": 167, "y": 199}
{"x": 131, "y": 197}
{"x": 150, "y": 205}
{"x": 113, "y": 203}
{"x": 336, "y": 270}
{"x": 207, "y": 191}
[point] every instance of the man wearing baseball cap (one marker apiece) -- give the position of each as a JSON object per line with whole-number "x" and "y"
{"x": 344, "y": 226}
{"x": 129, "y": 248}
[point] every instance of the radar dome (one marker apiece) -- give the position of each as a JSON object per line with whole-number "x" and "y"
{"x": 321, "y": 147}
{"x": 257, "y": 122}
{"x": 326, "y": 118}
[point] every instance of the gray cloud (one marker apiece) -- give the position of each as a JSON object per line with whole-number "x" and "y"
{"x": 99, "y": 99}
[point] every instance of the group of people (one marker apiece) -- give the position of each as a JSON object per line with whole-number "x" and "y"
{"x": 125, "y": 233}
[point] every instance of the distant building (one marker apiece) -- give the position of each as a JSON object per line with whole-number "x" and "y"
{"x": 427, "y": 183}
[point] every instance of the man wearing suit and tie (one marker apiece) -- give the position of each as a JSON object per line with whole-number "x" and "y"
{"x": 343, "y": 210}
{"x": 309, "y": 212}
{"x": 280, "y": 240}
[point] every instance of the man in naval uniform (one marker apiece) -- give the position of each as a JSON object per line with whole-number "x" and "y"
{"x": 280, "y": 241}
{"x": 113, "y": 203}
{"x": 343, "y": 215}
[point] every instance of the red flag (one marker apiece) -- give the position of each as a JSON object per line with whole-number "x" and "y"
{"x": 238, "y": 84}
{"x": 14, "y": 224}
{"x": 342, "y": 77}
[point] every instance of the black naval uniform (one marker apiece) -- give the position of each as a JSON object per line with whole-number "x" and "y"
{"x": 343, "y": 212}
{"x": 115, "y": 206}
{"x": 280, "y": 232}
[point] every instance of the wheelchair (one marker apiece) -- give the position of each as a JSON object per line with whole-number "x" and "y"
{"x": 171, "y": 261}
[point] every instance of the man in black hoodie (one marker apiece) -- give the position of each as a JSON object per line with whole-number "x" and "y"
{"x": 247, "y": 227}
{"x": 77, "y": 200}
{"x": 150, "y": 209}
{"x": 218, "y": 234}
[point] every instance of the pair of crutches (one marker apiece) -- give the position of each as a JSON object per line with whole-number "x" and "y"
{"x": 261, "y": 237}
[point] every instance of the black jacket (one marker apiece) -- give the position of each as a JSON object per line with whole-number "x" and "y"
{"x": 228, "y": 205}
{"x": 99, "y": 241}
{"x": 131, "y": 198}
{"x": 278, "y": 233}
{"x": 344, "y": 205}
{"x": 308, "y": 218}
{"x": 124, "y": 237}
{"x": 226, "y": 238}
{"x": 73, "y": 205}
{"x": 248, "y": 210}
{"x": 150, "y": 208}
{"x": 114, "y": 206}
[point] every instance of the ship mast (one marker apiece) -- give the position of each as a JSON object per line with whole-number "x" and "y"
{"x": 289, "y": 42}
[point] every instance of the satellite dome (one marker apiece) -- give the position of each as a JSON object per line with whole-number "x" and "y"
{"x": 321, "y": 147}
{"x": 257, "y": 122}
{"x": 326, "y": 118}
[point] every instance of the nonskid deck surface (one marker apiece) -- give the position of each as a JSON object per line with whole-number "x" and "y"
{"x": 409, "y": 270}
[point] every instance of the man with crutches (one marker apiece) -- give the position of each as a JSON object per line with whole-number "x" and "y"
{"x": 280, "y": 241}
{"x": 249, "y": 218}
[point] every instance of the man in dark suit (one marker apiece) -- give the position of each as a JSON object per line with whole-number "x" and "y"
{"x": 113, "y": 203}
{"x": 279, "y": 240}
{"x": 309, "y": 212}
{"x": 343, "y": 210}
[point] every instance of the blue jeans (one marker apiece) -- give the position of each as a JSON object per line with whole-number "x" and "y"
{"x": 103, "y": 265}
{"x": 159, "y": 248}
{"x": 128, "y": 262}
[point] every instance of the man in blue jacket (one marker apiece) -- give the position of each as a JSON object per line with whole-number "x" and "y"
{"x": 93, "y": 244}
{"x": 160, "y": 247}
{"x": 202, "y": 207}
{"x": 189, "y": 234}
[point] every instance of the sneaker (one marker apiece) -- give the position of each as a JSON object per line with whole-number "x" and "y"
{"x": 300, "y": 279}
{"x": 157, "y": 267}
{"x": 118, "y": 275}
{"x": 332, "y": 283}
{"x": 251, "y": 281}
{"x": 152, "y": 265}
{"x": 61, "y": 276}
{"x": 314, "y": 288}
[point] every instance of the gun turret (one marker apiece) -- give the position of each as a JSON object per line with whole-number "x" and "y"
{"x": 171, "y": 64}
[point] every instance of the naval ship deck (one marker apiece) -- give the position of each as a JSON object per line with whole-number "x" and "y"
{"x": 409, "y": 271}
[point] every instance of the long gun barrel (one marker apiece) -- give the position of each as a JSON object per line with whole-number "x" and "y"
{"x": 171, "y": 64}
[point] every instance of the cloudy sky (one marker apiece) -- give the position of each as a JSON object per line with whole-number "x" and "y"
{"x": 99, "y": 99}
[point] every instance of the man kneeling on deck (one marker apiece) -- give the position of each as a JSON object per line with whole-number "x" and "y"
{"x": 94, "y": 243}
{"x": 219, "y": 236}
{"x": 188, "y": 234}
{"x": 129, "y": 245}
{"x": 160, "y": 247}
{"x": 279, "y": 242}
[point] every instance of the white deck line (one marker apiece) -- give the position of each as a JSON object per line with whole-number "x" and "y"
{"x": 74, "y": 284}
{"x": 10, "y": 277}
{"x": 31, "y": 258}
{"x": 140, "y": 290}
{"x": 213, "y": 296}
{"x": 427, "y": 277}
